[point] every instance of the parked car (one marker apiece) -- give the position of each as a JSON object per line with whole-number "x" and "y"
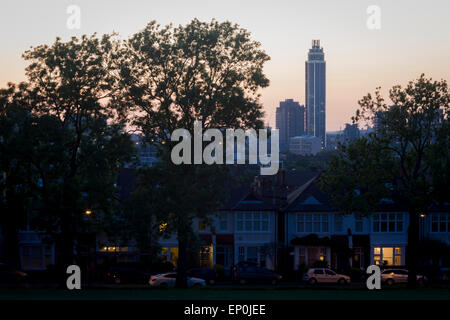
{"x": 120, "y": 275}
{"x": 324, "y": 275}
{"x": 169, "y": 279}
{"x": 392, "y": 276}
{"x": 253, "y": 274}
{"x": 209, "y": 275}
{"x": 9, "y": 275}
{"x": 444, "y": 275}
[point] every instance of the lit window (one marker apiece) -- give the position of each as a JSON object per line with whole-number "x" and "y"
{"x": 165, "y": 254}
{"x": 387, "y": 256}
{"x": 163, "y": 227}
{"x": 174, "y": 255}
{"x": 201, "y": 225}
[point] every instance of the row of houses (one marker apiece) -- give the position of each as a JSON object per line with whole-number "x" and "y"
{"x": 286, "y": 221}
{"x": 280, "y": 222}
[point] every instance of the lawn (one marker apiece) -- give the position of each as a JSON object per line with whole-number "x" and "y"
{"x": 220, "y": 293}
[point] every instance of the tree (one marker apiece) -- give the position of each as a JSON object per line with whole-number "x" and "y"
{"x": 405, "y": 159}
{"x": 173, "y": 76}
{"x": 77, "y": 141}
{"x": 16, "y": 191}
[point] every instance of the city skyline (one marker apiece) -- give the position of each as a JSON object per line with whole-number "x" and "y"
{"x": 412, "y": 40}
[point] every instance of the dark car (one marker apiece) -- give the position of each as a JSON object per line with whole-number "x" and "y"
{"x": 120, "y": 275}
{"x": 209, "y": 275}
{"x": 249, "y": 273}
{"x": 10, "y": 275}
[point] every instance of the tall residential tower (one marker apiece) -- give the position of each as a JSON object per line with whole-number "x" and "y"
{"x": 315, "y": 92}
{"x": 290, "y": 121}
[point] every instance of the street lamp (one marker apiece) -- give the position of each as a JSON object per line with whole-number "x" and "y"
{"x": 88, "y": 212}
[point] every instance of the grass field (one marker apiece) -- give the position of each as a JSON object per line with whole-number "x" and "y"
{"x": 217, "y": 293}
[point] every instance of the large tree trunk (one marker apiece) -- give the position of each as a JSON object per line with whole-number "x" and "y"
{"x": 182, "y": 260}
{"x": 10, "y": 247}
{"x": 66, "y": 250}
{"x": 411, "y": 252}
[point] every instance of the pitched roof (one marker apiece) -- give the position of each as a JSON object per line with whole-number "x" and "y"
{"x": 312, "y": 199}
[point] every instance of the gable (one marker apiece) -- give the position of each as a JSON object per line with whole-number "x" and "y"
{"x": 311, "y": 200}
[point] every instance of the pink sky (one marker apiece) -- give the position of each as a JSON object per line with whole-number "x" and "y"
{"x": 413, "y": 39}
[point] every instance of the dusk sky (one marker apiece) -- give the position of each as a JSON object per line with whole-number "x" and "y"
{"x": 413, "y": 39}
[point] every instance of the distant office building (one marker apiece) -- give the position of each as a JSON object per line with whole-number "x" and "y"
{"x": 351, "y": 131}
{"x": 290, "y": 121}
{"x": 333, "y": 139}
{"x": 147, "y": 153}
{"x": 305, "y": 145}
{"x": 315, "y": 92}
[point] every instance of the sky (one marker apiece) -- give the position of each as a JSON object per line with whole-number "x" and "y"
{"x": 413, "y": 38}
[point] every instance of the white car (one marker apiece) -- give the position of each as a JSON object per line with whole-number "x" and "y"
{"x": 325, "y": 275}
{"x": 169, "y": 279}
{"x": 392, "y": 276}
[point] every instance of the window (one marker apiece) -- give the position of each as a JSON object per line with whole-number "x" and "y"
{"x": 174, "y": 255}
{"x": 253, "y": 222}
{"x": 323, "y": 254}
{"x": 358, "y": 223}
{"x": 314, "y": 223}
{"x": 241, "y": 254}
{"x": 387, "y": 256}
{"x": 165, "y": 254}
{"x": 440, "y": 222}
{"x": 205, "y": 254}
{"x": 201, "y": 225}
{"x": 171, "y": 275}
{"x": 377, "y": 256}
{"x": 318, "y": 271}
{"x": 402, "y": 272}
{"x": 338, "y": 223}
{"x": 48, "y": 255}
{"x": 32, "y": 257}
{"x": 223, "y": 222}
{"x": 224, "y": 255}
{"x": 163, "y": 227}
{"x": 388, "y": 222}
{"x": 329, "y": 272}
{"x": 302, "y": 255}
{"x": 358, "y": 257}
{"x": 252, "y": 254}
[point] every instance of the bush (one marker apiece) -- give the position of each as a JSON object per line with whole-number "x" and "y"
{"x": 161, "y": 267}
{"x": 357, "y": 274}
{"x": 220, "y": 271}
{"x": 320, "y": 264}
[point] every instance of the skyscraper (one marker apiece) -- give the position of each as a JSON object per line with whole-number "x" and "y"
{"x": 315, "y": 92}
{"x": 290, "y": 121}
